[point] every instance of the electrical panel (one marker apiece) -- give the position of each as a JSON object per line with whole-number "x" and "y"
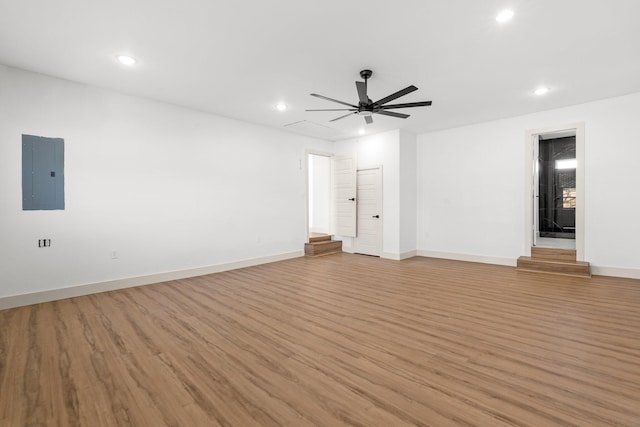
{"x": 42, "y": 173}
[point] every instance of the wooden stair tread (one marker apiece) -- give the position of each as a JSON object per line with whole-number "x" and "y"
{"x": 567, "y": 268}
{"x": 325, "y": 242}
{"x": 553, "y": 254}
{"x": 323, "y": 238}
{"x": 546, "y": 261}
{"x": 322, "y": 247}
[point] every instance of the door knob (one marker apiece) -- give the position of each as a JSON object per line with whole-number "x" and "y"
{"x": 375, "y": 216}
{"x": 353, "y": 199}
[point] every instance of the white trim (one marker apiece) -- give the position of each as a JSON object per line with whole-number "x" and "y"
{"x": 530, "y": 135}
{"x": 627, "y": 273}
{"x": 93, "y": 288}
{"x": 400, "y": 256}
{"x": 468, "y": 257}
{"x": 580, "y": 192}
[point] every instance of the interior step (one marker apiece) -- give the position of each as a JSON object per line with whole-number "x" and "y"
{"x": 322, "y": 247}
{"x": 553, "y": 254}
{"x": 567, "y": 268}
{"x": 317, "y": 237}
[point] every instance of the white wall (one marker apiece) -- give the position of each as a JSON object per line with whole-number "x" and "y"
{"x": 471, "y": 180}
{"x": 171, "y": 189}
{"x": 408, "y": 194}
{"x": 319, "y": 194}
{"x": 166, "y": 187}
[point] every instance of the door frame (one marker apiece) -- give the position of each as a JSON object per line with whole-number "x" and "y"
{"x": 354, "y": 244}
{"x": 308, "y": 152}
{"x": 531, "y": 180}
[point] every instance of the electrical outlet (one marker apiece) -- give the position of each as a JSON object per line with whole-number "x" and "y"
{"x": 44, "y": 243}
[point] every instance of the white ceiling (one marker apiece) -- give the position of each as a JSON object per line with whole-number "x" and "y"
{"x": 239, "y": 58}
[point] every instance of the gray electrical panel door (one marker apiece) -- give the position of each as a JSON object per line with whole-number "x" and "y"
{"x": 42, "y": 173}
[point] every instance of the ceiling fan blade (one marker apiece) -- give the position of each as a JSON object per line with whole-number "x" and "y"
{"x": 336, "y": 109}
{"x": 362, "y": 92}
{"x": 341, "y": 117}
{"x": 398, "y": 94}
{"x": 407, "y": 105}
{"x": 392, "y": 114}
{"x": 333, "y": 100}
{"x": 368, "y": 119}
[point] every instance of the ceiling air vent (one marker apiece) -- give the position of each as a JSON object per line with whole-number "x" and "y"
{"x": 315, "y": 130}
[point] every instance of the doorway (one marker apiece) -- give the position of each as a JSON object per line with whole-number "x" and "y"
{"x": 556, "y": 200}
{"x": 368, "y": 240}
{"x": 319, "y": 208}
{"x": 554, "y": 188}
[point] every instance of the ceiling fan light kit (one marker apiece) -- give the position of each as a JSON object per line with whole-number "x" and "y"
{"x": 366, "y": 107}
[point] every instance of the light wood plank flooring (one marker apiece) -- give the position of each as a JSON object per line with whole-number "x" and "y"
{"x": 337, "y": 340}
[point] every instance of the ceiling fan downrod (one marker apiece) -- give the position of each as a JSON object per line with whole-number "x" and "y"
{"x": 366, "y": 75}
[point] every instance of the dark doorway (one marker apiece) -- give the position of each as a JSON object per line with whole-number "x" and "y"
{"x": 557, "y": 187}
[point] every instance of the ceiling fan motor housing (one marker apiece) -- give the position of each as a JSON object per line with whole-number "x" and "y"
{"x": 365, "y": 74}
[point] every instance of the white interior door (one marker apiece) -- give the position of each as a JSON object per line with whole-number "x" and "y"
{"x": 344, "y": 186}
{"x": 369, "y": 203}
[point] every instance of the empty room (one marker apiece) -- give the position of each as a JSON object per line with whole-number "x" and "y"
{"x": 337, "y": 213}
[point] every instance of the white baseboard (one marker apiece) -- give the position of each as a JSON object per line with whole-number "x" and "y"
{"x": 468, "y": 257}
{"x": 627, "y": 273}
{"x": 93, "y": 288}
{"x": 400, "y": 256}
{"x": 385, "y": 255}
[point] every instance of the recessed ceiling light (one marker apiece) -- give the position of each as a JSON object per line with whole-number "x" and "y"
{"x": 542, "y": 90}
{"x": 281, "y": 106}
{"x": 361, "y": 131}
{"x": 126, "y": 59}
{"x": 505, "y": 15}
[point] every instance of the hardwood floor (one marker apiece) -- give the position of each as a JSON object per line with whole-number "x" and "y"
{"x": 337, "y": 340}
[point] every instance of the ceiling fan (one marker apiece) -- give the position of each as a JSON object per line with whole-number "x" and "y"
{"x": 366, "y": 107}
